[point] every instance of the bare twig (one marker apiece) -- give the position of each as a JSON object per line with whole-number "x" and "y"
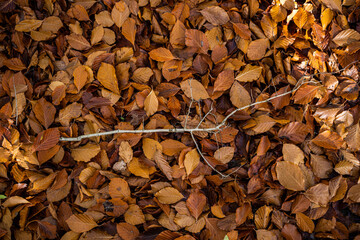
{"x": 219, "y": 126}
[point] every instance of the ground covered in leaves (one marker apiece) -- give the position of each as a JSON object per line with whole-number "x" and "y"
{"x": 286, "y": 168}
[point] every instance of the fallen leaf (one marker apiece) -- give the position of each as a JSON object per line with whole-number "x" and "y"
{"x": 107, "y": 77}
{"x": 85, "y": 153}
{"x": 224, "y": 154}
{"x": 120, "y": 13}
{"x": 191, "y": 161}
{"x": 196, "y": 203}
{"x": 215, "y": 15}
{"x": 194, "y": 89}
{"x": 151, "y": 104}
{"x": 81, "y": 223}
{"x": 161, "y": 55}
{"x": 290, "y": 176}
{"x": 168, "y": 195}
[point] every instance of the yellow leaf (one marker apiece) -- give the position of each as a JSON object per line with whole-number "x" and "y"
{"x": 169, "y": 195}
{"x": 326, "y": 17}
{"x": 151, "y": 104}
{"x": 85, "y": 153}
{"x": 107, "y": 77}
{"x": 191, "y": 161}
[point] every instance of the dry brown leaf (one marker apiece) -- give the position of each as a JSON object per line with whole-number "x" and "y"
{"x": 14, "y": 201}
{"x": 142, "y": 75}
{"x": 239, "y": 96}
{"x": 354, "y": 193}
{"x": 196, "y": 39}
{"x": 119, "y": 188}
{"x": 139, "y": 169}
{"x": 318, "y": 194}
{"x": 194, "y": 89}
{"x": 97, "y": 34}
{"x": 224, "y": 154}
{"x": 257, "y": 49}
{"x": 28, "y": 25}
{"x": 44, "y": 112}
{"x": 177, "y": 35}
{"x": 262, "y": 217}
{"x": 120, "y": 13}
{"x": 127, "y": 231}
{"x": 172, "y": 147}
{"x": 168, "y": 195}
{"x": 150, "y": 146}
{"x": 328, "y": 140}
{"x": 191, "y": 161}
{"x": 46, "y": 139}
{"x": 107, "y": 77}
{"x": 224, "y": 80}
{"x": 81, "y": 223}
{"x": 78, "y": 42}
{"x": 293, "y": 153}
{"x": 161, "y": 55}
{"x": 85, "y": 153}
{"x": 151, "y": 104}
{"x": 163, "y": 165}
{"x": 269, "y": 27}
{"x": 304, "y": 223}
{"x": 249, "y": 74}
{"x": 215, "y": 15}
{"x": 82, "y": 74}
{"x": 129, "y": 30}
{"x": 125, "y": 151}
{"x": 290, "y": 176}
{"x": 69, "y": 112}
{"x": 196, "y": 203}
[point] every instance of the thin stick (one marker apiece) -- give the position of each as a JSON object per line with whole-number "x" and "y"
{"x": 215, "y": 129}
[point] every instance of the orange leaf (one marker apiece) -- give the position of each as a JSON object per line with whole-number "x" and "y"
{"x": 329, "y": 140}
{"x": 161, "y": 54}
{"x": 196, "y": 203}
{"x": 107, "y": 77}
{"x": 224, "y": 80}
{"x": 129, "y": 30}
